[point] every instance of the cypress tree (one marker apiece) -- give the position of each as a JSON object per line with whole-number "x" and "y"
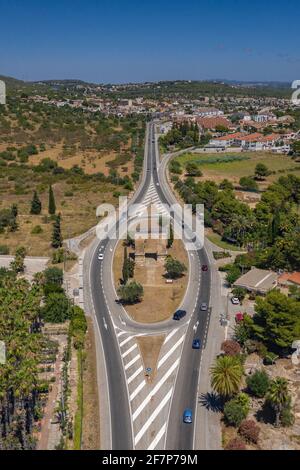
{"x": 125, "y": 273}
{"x": 36, "y": 205}
{"x": 52, "y": 206}
{"x": 56, "y": 234}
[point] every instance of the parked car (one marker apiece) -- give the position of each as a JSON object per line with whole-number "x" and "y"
{"x": 196, "y": 344}
{"x": 235, "y": 301}
{"x": 188, "y": 416}
{"x": 179, "y": 315}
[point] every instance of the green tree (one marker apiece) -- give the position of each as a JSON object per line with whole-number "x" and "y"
{"x": 52, "y": 205}
{"x": 192, "y": 169}
{"x": 258, "y": 383}
{"x": 56, "y": 234}
{"x": 277, "y": 320}
{"x": 248, "y": 184}
{"x": 36, "y": 205}
{"x": 57, "y": 308}
{"x": 18, "y": 265}
{"x": 226, "y": 376}
{"x": 278, "y": 396}
{"x": 261, "y": 171}
{"x": 171, "y": 236}
{"x": 237, "y": 409}
{"x": 174, "y": 268}
{"x": 131, "y": 293}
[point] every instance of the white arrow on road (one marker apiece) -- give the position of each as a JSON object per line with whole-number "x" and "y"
{"x": 105, "y": 324}
{"x": 196, "y": 326}
{"x": 122, "y": 321}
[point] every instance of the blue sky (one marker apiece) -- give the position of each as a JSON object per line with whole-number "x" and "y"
{"x": 118, "y": 41}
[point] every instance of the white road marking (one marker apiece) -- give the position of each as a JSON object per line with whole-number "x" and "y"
{"x": 170, "y": 352}
{"x": 121, "y": 334}
{"x": 156, "y": 412}
{"x": 134, "y": 360}
{"x": 154, "y": 391}
{"x": 171, "y": 335}
{"x": 137, "y": 390}
{"x": 133, "y": 376}
{"x": 158, "y": 437}
{"x": 129, "y": 351}
{"x": 126, "y": 341}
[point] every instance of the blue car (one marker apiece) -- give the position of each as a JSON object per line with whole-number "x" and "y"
{"x": 188, "y": 416}
{"x": 196, "y": 344}
{"x": 179, "y": 315}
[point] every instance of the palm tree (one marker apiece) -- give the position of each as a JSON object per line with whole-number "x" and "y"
{"x": 278, "y": 396}
{"x": 226, "y": 376}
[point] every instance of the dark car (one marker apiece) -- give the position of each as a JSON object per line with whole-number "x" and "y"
{"x": 204, "y": 268}
{"x": 179, "y": 315}
{"x": 188, "y": 416}
{"x": 196, "y": 344}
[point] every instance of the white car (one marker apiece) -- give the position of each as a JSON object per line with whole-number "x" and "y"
{"x": 235, "y": 301}
{"x": 100, "y": 257}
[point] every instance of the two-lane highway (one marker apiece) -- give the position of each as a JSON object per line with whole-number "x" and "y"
{"x": 178, "y": 435}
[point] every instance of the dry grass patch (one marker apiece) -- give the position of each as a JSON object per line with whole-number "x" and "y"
{"x": 150, "y": 347}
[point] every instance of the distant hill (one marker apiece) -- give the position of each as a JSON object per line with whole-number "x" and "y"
{"x": 12, "y": 82}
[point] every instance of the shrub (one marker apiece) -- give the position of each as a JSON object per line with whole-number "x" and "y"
{"x": 231, "y": 348}
{"x": 236, "y": 444}
{"x": 287, "y": 418}
{"x": 237, "y": 409}
{"x": 4, "y": 250}
{"x": 37, "y": 230}
{"x": 249, "y": 430}
{"x": 258, "y": 383}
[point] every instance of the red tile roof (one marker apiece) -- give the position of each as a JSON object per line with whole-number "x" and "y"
{"x": 290, "y": 277}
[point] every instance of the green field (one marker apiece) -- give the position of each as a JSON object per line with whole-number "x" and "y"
{"x": 235, "y": 165}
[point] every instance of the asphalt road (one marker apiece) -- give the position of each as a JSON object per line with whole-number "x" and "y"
{"x": 179, "y": 435}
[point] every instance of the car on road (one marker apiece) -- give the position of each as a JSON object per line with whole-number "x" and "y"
{"x": 203, "y": 307}
{"x": 196, "y": 344}
{"x": 188, "y": 416}
{"x": 157, "y": 184}
{"x": 235, "y": 301}
{"x": 101, "y": 257}
{"x": 204, "y": 268}
{"x": 179, "y": 314}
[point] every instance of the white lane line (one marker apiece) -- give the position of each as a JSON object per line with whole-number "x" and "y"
{"x": 134, "y": 360}
{"x": 170, "y": 335}
{"x": 121, "y": 334}
{"x": 137, "y": 390}
{"x": 136, "y": 373}
{"x": 156, "y": 412}
{"x": 157, "y": 438}
{"x": 129, "y": 351}
{"x": 170, "y": 352}
{"x": 154, "y": 391}
{"x": 126, "y": 341}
